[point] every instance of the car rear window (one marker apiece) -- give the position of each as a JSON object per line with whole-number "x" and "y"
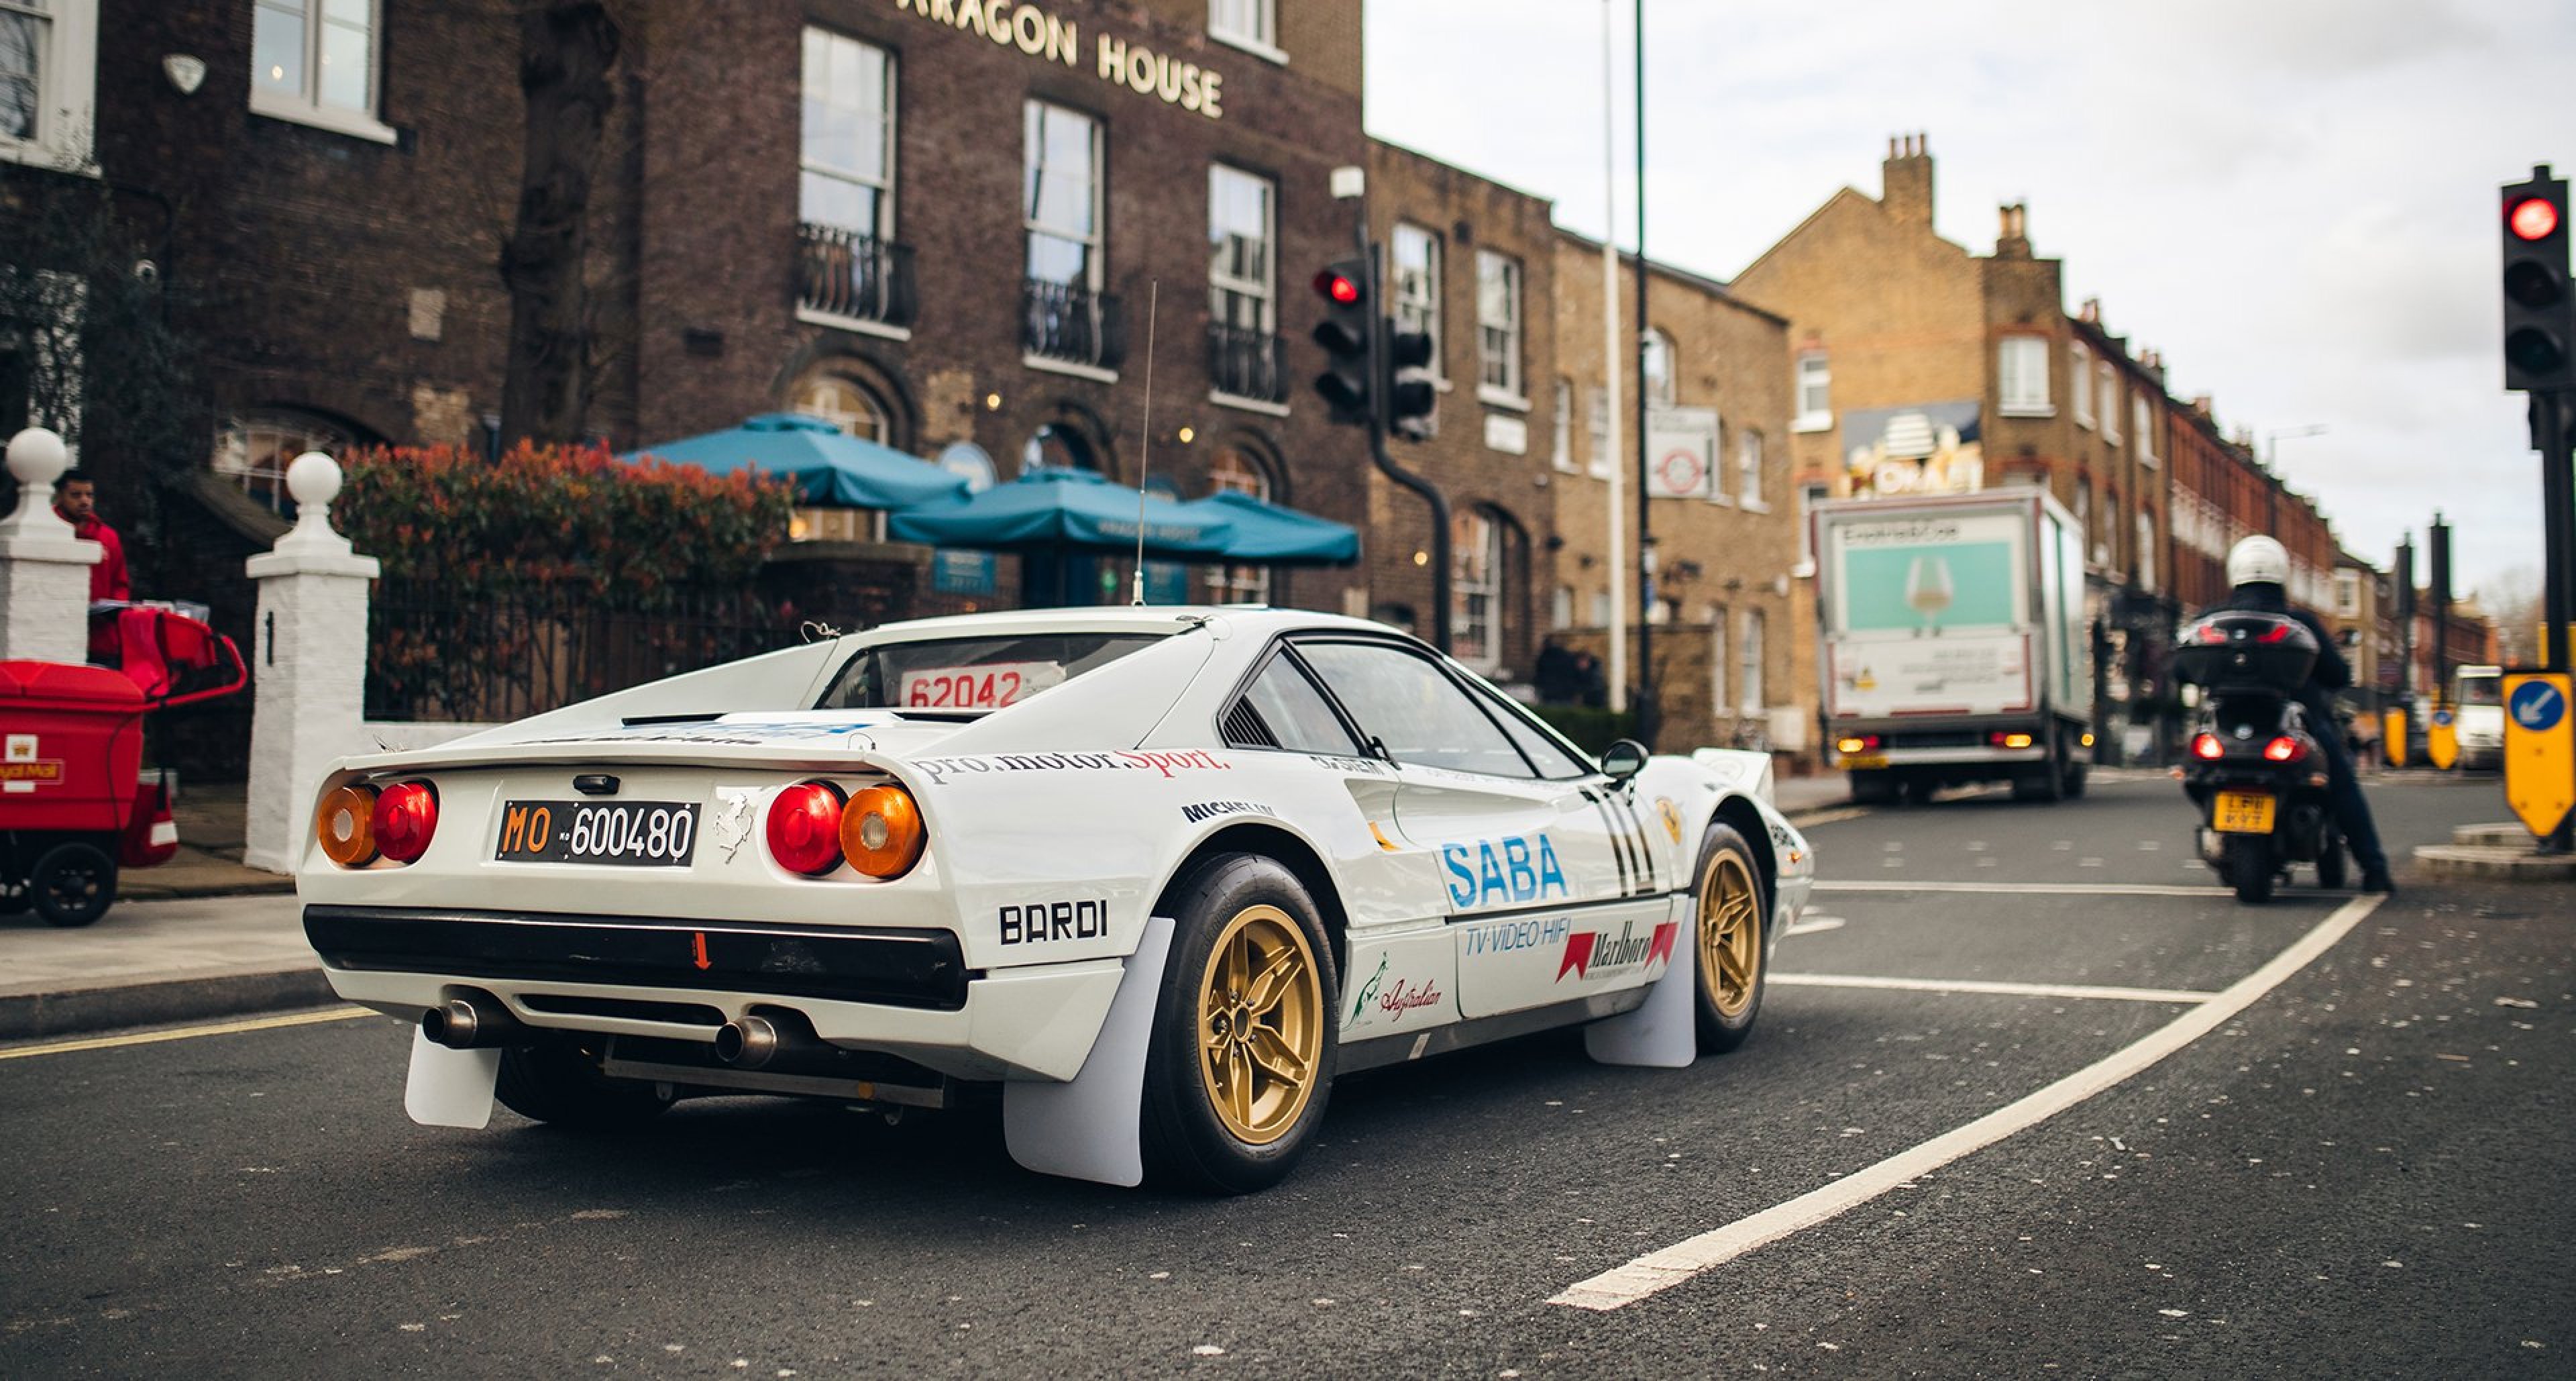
{"x": 972, "y": 675}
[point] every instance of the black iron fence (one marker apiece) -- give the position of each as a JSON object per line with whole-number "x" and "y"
{"x": 848, "y": 274}
{"x": 434, "y": 657}
{"x": 1063, "y": 321}
{"x": 1247, "y": 363}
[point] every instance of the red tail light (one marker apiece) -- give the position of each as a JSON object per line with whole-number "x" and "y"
{"x": 805, "y": 828}
{"x": 2207, "y": 747}
{"x": 2284, "y": 749}
{"x": 2277, "y": 633}
{"x": 406, "y": 817}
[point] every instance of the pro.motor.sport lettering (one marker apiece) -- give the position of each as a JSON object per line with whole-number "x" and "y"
{"x": 939, "y": 770}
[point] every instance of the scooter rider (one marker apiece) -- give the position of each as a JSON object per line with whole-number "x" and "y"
{"x": 2259, "y": 568}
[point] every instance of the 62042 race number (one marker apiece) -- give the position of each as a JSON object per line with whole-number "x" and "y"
{"x": 630, "y": 834}
{"x": 988, "y": 687}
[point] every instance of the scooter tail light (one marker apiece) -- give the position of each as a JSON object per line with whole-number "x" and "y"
{"x": 2277, "y": 633}
{"x": 804, "y": 828}
{"x": 346, "y": 826}
{"x": 406, "y": 819}
{"x": 2284, "y": 749}
{"x": 881, "y": 831}
{"x": 2207, "y": 747}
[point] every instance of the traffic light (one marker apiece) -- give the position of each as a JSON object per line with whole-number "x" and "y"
{"x": 1344, "y": 334}
{"x": 2537, "y": 319}
{"x": 1411, "y": 393}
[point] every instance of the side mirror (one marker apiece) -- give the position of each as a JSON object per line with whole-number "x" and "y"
{"x": 1623, "y": 759}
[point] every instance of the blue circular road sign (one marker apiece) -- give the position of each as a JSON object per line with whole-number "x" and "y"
{"x": 2537, "y": 706}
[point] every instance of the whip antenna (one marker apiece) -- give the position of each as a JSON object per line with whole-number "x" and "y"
{"x": 1145, "y": 448}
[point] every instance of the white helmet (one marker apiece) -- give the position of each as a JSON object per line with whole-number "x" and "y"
{"x": 2258, "y": 560}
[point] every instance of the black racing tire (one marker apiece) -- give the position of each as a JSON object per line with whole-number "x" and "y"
{"x": 1240, "y": 1063}
{"x": 2332, "y": 872}
{"x": 15, "y": 896}
{"x": 73, "y": 883}
{"x": 559, "y": 1083}
{"x": 2249, "y": 867}
{"x": 1730, "y": 933}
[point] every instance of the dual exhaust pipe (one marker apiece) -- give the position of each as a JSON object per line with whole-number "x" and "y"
{"x": 479, "y": 1021}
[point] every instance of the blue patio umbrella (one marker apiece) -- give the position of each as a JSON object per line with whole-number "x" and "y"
{"x": 1269, "y": 534}
{"x": 829, "y": 466}
{"x": 1064, "y": 510}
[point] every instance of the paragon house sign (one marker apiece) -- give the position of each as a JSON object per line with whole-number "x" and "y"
{"x": 1040, "y": 34}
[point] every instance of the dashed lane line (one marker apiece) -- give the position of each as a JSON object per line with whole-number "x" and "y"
{"x": 1972, "y": 985}
{"x": 1662, "y": 1270}
{"x": 183, "y": 1033}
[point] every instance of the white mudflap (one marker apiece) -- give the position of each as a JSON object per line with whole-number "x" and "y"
{"x": 450, "y": 1088}
{"x": 1663, "y": 1032}
{"x": 1093, "y": 1127}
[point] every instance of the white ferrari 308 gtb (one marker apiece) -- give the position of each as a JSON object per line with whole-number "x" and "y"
{"x": 1158, "y": 873}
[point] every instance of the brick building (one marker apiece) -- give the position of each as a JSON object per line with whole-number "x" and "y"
{"x": 1470, "y": 263}
{"x": 1720, "y": 510}
{"x": 934, "y": 221}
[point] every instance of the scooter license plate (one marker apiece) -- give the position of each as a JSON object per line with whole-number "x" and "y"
{"x": 2243, "y": 812}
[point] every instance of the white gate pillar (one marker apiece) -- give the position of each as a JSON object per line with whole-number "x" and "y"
{"x": 44, "y": 569}
{"x": 310, "y": 657}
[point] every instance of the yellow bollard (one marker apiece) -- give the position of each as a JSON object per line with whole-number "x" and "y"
{"x": 2392, "y": 736}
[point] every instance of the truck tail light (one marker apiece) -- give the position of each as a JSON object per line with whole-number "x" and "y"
{"x": 406, "y": 817}
{"x": 805, "y": 828}
{"x": 2000, "y": 739}
{"x": 881, "y": 831}
{"x": 1858, "y": 743}
{"x": 2207, "y": 748}
{"x": 346, "y": 826}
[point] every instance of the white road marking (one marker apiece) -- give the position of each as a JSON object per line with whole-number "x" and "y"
{"x": 1658, "y": 1271}
{"x": 2033, "y": 889}
{"x": 1973, "y": 985}
{"x": 1809, "y": 820}
{"x": 1809, "y": 925}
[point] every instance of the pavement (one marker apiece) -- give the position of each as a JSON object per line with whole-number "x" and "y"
{"x": 203, "y": 937}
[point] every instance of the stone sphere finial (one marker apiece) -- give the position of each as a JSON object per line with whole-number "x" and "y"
{"x": 37, "y": 456}
{"x": 314, "y": 479}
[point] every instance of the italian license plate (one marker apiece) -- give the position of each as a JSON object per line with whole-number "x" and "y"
{"x": 2243, "y": 812}
{"x": 625, "y": 834}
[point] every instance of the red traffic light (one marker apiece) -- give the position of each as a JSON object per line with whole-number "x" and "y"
{"x": 2532, "y": 218}
{"x": 1340, "y": 288}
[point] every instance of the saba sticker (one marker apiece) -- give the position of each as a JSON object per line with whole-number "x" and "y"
{"x": 1521, "y": 868}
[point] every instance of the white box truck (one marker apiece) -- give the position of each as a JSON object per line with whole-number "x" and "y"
{"x": 1952, "y": 645}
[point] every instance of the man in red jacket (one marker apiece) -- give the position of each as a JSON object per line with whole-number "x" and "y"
{"x": 76, "y": 500}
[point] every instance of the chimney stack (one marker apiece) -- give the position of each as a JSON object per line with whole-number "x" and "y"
{"x": 1906, "y": 180}
{"x": 2091, "y": 311}
{"x": 2012, "y": 238}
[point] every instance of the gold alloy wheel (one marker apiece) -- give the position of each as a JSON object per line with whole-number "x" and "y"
{"x": 1261, "y": 1025}
{"x": 1730, "y": 934}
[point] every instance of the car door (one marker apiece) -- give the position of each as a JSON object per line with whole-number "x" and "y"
{"x": 1545, "y": 885}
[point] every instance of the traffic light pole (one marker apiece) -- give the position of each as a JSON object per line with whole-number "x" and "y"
{"x": 2552, "y": 413}
{"x": 1379, "y": 387}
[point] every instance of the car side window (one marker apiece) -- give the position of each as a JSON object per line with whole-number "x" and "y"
{"x": 1555, "y": 761}
{"x": 1282, "y": 709}
{"x": 1408, "y": 704}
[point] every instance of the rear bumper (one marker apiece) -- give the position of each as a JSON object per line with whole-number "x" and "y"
{"x": 903, "y": 992}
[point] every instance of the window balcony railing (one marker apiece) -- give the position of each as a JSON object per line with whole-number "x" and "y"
{"x": 1247, "y": 363}
{"x": 1063, "y": 321}
{"x": 842, "y": 273}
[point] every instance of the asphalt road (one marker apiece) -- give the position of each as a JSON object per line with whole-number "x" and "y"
{"x": 2361, "y": 1169}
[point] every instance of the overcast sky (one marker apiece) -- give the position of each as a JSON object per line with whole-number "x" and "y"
{"x": 2294, "y": 200}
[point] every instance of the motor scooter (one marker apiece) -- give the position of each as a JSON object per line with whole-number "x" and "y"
{"x": 2255, "y": 770}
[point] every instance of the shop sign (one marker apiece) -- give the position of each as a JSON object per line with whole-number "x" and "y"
{"x": 1039, "y": 33}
